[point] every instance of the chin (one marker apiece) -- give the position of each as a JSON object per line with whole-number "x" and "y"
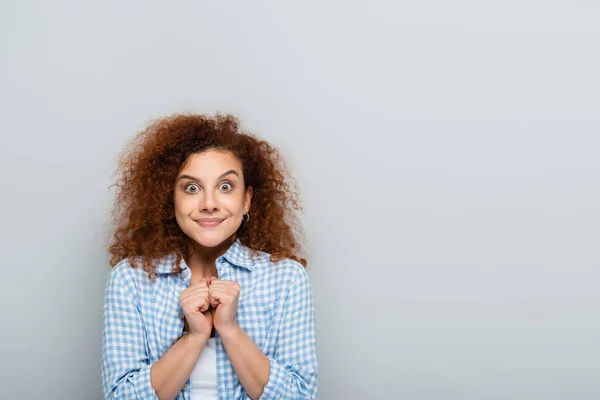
{"x": 211, "y": 241}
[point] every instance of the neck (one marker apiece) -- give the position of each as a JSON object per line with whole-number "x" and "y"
{"x": 202, "y": 260}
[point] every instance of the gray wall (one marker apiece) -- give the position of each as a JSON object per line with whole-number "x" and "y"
{"x": 447, "y": 153}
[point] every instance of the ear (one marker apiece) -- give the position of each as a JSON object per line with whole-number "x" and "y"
{"x": 248, "y": 198}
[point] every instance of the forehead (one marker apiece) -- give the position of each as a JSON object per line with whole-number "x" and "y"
{"x": 210, "y": 163}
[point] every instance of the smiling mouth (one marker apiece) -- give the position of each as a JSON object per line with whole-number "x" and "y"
{"x": 210, "y": 222}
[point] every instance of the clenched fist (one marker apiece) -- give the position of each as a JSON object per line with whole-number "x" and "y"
{"x": 223, "y": 297}
{"x": 196, "y": 306}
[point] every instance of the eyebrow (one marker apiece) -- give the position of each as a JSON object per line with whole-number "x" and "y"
{"x": 231, "y": 171}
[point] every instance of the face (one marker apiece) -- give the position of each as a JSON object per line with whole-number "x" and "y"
{"x": 209, "y": 196}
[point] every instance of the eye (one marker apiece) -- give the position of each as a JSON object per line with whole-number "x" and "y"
{"x": 226, "y": 186}
{"x": 192, "y": 188}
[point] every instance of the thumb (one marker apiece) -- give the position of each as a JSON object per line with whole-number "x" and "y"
{"x": 214, "y": 301}
{"x": 197, "y": 282}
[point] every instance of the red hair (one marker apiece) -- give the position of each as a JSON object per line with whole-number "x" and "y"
{"x": 143, "y": 215}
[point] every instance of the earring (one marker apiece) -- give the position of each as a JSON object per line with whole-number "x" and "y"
{"x": 246, "y": 217}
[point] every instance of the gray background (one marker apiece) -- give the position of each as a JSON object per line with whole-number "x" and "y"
{"x": 447, "y": 153}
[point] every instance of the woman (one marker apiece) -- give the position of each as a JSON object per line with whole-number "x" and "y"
{"x": 207, "y": 298}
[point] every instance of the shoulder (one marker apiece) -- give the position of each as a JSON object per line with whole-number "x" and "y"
{"x": 125, "y": 278}
{"x": 284, "y": 272}
{"x": 286, "y": 283}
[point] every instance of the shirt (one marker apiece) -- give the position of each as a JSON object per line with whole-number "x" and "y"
{"x": 275, "y": 308}
{"x": 203, "y": 380}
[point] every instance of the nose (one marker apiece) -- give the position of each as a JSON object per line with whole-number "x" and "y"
{"x": 209, "y": 203}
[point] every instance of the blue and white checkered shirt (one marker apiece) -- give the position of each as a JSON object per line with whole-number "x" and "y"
{"x": 142, "y": 321}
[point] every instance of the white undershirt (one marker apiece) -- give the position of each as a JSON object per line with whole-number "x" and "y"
{"x": 203, "y": 380}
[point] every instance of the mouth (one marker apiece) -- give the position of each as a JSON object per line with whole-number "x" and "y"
{"x": 210, "y": 222}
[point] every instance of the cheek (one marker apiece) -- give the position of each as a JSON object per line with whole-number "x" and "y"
{"x": 238, "y": 209}
{"x": 182, "y": 206}
{"x": 233, "y": 204}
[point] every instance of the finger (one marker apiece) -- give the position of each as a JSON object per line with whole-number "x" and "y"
{"x": 229, "y": 297}
{"x": 196, "y": 301}
{"x": 224, "y": 291}
{"x": 201, "y": 283}
{"x": 190, "y": 294}
{"x": 198, "y": 289}
{"x": 195, "y": 309}
{"x": 204, "y": 307}
{"x": 223, "y": 297}
{"x": 213, "y": 300}
{"x": 224, "y": 287}
{"x": 193, "y": 303}
{"x": 225, "y": 284}
{"x": 199, "y": 286}
{"x": 217, "y": 286}
{"x": 199, "y": 301}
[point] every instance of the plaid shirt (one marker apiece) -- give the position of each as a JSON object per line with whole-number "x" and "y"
{"x": 142, "y": 321}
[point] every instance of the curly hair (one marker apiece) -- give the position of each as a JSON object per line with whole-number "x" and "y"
{"x": 143, "y": 216}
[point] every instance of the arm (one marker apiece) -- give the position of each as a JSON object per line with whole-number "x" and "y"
{"x": 171, "y": 372}
{"x": 126, "y": 370}
{"x": 291, "y": 371}
{"x": 249, "y": 363}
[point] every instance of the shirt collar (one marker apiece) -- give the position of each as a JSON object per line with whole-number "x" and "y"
{"x": 237, "y": 254}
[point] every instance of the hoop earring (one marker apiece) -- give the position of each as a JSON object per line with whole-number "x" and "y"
{"x": 246, "y": 217}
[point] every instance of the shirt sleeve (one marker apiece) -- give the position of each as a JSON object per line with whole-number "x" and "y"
{"x": 125, "y": 365}
{"x": 293, "y": 372}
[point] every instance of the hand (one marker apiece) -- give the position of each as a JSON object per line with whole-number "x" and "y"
{"x": 195, "y": 303}
{"x": 223, "y": 297}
